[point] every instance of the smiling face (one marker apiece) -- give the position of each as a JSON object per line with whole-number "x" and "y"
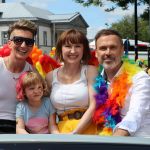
{"x": 72, "y": 53}
{"x": 20, "y": 51}
{"x": 72, "y": 44}
{"x": 34, "y": 92}
{"x": 109, "y": 51}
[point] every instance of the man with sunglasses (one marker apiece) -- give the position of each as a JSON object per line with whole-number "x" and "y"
{"x": 21, "y": 41}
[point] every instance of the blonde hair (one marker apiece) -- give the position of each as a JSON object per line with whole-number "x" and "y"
{"x": 27, "y": 79}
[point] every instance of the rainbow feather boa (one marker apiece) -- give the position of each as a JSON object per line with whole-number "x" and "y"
{"x": 110, "y": 101}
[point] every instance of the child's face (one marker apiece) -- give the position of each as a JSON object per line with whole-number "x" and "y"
{"x": 34, "y": 92}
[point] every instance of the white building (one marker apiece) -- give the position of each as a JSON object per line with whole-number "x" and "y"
{"x": 50, "y": 25}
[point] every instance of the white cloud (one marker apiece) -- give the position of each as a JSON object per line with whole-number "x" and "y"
{"x": 91, "y": 32}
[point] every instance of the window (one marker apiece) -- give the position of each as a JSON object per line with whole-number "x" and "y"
{"x": 45, "y": 38}
{"x": 4, "y": 37}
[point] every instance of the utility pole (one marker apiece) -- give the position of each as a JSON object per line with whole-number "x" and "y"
{"x": 136, "y": 30}
{"x": 149, "y": 38}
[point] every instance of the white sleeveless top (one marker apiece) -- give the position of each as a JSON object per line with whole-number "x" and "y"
{"x": 70, "y": 96}
{"x": 8, "y": 91}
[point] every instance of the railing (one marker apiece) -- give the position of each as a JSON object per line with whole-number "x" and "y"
{"x": 71, "y": 142}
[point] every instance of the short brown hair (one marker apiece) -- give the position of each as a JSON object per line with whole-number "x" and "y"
{"x": 73, "y": 36}
{"x": 23, "y": 25}
{"x": 105, "y": 32}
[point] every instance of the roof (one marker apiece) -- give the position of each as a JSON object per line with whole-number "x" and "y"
{"x": 62, "y": 17}
{"x": 66, "y": 17}
{"x": 8, "y": 10}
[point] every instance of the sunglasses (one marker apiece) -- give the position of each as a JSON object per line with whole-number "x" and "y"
{"x": 18, "y": 40}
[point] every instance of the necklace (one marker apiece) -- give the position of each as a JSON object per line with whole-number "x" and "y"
{"x": 15, "y": 76}
{"x": 110, "y": 100}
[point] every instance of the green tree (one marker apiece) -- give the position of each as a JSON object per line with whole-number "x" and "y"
{"x": 126, "y": 27}
{"x": 124, "y": 4}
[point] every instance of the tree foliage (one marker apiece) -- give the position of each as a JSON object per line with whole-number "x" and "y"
{"x": 126, "y": 27}
{"x": 124, "y": 4}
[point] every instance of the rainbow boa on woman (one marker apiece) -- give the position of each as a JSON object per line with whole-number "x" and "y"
{"x": 110, "y": 99}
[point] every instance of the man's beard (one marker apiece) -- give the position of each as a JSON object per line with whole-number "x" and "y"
{"x": 112, "y": 65}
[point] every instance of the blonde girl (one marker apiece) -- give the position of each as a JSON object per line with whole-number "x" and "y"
{"x": 34, "y": 111}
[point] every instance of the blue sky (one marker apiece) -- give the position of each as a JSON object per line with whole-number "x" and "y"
{"x": 95, "y": 17}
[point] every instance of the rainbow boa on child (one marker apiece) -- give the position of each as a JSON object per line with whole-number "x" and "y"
{"x": 110, "y": 100}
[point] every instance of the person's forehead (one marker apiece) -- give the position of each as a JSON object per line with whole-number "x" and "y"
{"x": 20, "y": 32}
{"x": 107, "y": 39}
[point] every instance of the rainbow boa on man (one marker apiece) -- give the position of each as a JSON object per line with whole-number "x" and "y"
{"x": 123, "y": 90}
{"x": 110, "y": 101}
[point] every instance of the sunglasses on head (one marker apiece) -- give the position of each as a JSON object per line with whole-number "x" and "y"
{"x": 18, "y": 40}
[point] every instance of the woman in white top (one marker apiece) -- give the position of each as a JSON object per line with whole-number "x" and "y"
{"x": 72, "y": 93}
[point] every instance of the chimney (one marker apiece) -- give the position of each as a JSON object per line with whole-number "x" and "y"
{"x": 2, "y": 1}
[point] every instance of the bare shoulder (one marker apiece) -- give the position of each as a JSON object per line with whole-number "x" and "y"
{"x": 92, "y": 71}
{"x": 49, "y": 76}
